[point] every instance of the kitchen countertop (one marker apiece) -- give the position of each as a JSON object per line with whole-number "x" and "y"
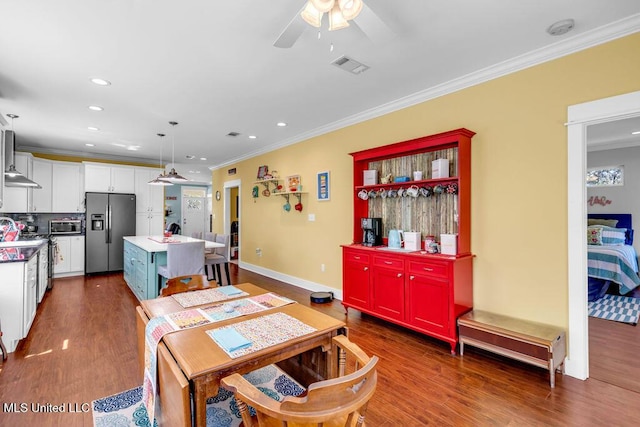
{"x": 160, "y": 243}
{"x": 21, "y": 250}
{"x": 388, "y": 250}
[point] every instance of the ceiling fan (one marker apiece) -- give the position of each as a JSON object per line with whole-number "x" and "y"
{"x": 339, "y": 13}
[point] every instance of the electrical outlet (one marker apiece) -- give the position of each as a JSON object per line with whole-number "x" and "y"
{"x": 322, "y": 268}
{"x": 258, "y": 251}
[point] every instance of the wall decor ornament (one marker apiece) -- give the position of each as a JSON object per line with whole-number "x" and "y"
{"x": 324, "y": 191}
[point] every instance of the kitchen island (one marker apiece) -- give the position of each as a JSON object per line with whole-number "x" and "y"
{"x": 143, "y": 254}
{"x": 20, "y": 263}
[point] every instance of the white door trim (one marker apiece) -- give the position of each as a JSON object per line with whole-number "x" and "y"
{"x": 226, "y": 223}
{"x": 579, "y": 117}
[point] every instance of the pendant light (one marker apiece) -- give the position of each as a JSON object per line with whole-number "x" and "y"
{"x": 173, "y": 176}
{"x": 163, "y": 175}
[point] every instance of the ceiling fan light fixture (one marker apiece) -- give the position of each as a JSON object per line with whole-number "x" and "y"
{"x": 350, "y": 8}
{"x": 322, "y": 5}
{"x": 311, "y": 15}
{"x": 337, "y": 20}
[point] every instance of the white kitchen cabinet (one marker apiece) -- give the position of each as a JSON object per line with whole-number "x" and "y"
{"x": 149, "y": 223}
{"x": 67, "y": 194}
{"x": 149, "y": 203}
{"x": 18, "y": 199}
{"x": 43, "y": 272}
{"x": 17, "y": 300}
{"x": 103, "y": 178}
{"x": 43, "y": 175}
{"x": 30, "y": 294}
{"x": 70, "y": 258}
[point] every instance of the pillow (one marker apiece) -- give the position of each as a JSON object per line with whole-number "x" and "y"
{"x": 602, "y": 221}
{"x": 613, "y": 236}
{"x": 594, "y": 235}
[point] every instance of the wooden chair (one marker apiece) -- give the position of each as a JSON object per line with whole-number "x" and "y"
{"x": 186, "y": 283}
{"x": 334, "y": 402}
{"x": 219, "y": 257}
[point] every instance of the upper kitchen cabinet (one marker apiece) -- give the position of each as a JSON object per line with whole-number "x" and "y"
{"x": 43, "y": 175}
{"x": 19, "y": 199}
{"x": 149, "y": 198}
{"x": 103, "y": 178}
{"x": 67, "y": 192}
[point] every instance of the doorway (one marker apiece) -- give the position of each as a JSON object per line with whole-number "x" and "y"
{"x": 580, "y": 116}
{"x": 194, "y": 211}
{"x": 232, "y": 214}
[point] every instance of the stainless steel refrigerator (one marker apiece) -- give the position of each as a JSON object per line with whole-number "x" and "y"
{"x": 109, "y": 218}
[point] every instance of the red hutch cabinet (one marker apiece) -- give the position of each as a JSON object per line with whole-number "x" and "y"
{"x": 418, "y": 290}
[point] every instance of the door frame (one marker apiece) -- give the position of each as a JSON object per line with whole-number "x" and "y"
{"x": 579, "y": 117}
{"x": 226, "y": 222}
{"x": 205, "y": 206}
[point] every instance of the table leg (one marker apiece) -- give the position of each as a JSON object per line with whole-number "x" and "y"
{"x": 200, "y": 391}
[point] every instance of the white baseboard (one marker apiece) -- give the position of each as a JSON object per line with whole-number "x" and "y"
{"x": 291, "y": 280}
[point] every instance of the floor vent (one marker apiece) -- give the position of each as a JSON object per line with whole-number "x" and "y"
{"x": 350, "y": 65}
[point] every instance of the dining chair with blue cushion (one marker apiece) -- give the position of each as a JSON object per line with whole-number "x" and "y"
{"x": 183, "y": 259}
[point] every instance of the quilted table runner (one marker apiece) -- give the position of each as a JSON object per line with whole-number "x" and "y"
{"x": 191, "y": 318}
{"x": 206, "y": 296}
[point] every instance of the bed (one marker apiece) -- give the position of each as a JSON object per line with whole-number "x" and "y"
{"x": 611, "y": 258}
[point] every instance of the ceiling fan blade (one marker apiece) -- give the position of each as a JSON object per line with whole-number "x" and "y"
{"x": 374, "y": 27}
{"x": 291, "y": 32}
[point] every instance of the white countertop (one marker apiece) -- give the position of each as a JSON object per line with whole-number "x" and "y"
{"x": 155, "y": 243}
{"x": 22, "y": 243}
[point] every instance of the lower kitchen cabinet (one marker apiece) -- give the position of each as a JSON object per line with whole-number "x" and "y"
{"x": 70, "y": 258}
{"x": 18, "y": 299}
{"x": 426, "y": 293}
{"x": 140, "y": 270}
{"x": 43, "y": 272}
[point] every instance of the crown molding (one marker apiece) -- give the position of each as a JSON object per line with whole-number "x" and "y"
{"x": 567, "y": 46}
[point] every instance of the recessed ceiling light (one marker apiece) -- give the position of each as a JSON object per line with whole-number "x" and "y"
{"x": 194, "y": 171}
{"x": 133, "y": 147}
{"x": 90, "y": 145}
{"x": 95, "y": 108}
{"x": 93, "y": 128}
{"x": 203, "y": 158}
{"x": 252, "y": 137}
{"x": 281, "y": 124}
{"x": 636, "y": 132}
{"x": 100, "y": 82}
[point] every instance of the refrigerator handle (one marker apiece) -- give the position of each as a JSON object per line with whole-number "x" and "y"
{"x": 109, "y": 223}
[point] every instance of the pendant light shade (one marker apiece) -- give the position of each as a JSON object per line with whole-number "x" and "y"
{"x": 173, "y": 176}
{"x": 159, "y": 180}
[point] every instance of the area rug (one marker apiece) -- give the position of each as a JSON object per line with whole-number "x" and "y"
{"x": 618, "y": 308}
{"x": 126, "y": 408}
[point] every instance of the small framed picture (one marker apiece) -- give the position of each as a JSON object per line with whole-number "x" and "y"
{"x": 262, "y": 171}
{"x": 324, "y": 189}
{"x": 293, "y": 183}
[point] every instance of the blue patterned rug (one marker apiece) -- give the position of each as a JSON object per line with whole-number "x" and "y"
{"x": 618, "y": 308}
{"x": 126, "y": 408}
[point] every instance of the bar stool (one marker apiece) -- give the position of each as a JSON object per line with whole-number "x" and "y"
{"x": 183, "y": 259}
{"x": 219, "y": 257}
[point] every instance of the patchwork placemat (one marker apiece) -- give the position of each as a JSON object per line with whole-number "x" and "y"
{"x": 617, "y": 308}
{"x": 265, "y": 331}
{"x": 206, "y": 296}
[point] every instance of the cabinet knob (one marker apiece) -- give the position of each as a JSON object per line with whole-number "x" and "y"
{"x": 388, "y": 262}
{"x": 399, "y": 275}
{"x": 427, "y": 269}
{"x": 412, "y": 277}
{"x": 366, "y": 269}
{"x": 356, "y": 257}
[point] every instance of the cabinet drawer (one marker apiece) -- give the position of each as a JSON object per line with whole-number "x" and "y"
{"x": 395, "y": 263}
{"x": 428, "y": 268}
{"x": 352, "y": 256}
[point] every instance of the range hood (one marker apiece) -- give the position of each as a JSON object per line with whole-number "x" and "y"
{"x": 12, "y": 177}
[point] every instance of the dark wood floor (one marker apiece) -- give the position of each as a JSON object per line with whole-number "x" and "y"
{"x": 82, "y": 346}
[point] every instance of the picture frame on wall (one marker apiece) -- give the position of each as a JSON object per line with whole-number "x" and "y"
{"x": 324, "y": 188}
{"x": 262, "y": 171}
{"x": 293, "y": 183}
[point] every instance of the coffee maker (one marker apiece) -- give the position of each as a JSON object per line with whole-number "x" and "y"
{"x": 371, "y": 231}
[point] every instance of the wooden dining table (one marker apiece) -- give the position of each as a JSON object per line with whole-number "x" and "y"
{"x": 203, "y": 362}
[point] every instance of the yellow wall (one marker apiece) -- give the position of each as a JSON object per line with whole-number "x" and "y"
{"x": 519, "y": 175}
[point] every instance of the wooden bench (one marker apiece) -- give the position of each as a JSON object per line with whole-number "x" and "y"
{"x": 530, "y": 342}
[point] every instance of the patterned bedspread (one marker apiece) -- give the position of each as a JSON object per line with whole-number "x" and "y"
{"x": 616, "y": 263}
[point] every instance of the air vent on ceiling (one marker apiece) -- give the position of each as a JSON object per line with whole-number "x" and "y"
{"x": 350, "y": 65}
{"x": 233, "y": 134}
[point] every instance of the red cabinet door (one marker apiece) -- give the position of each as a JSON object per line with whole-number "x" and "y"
{"x": 428, "y": 303}
{"x": 355, "y": 279}
{"x": 387, "y": 285}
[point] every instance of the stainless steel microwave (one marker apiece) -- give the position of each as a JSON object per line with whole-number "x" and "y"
{"x": 65, "y": 226}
